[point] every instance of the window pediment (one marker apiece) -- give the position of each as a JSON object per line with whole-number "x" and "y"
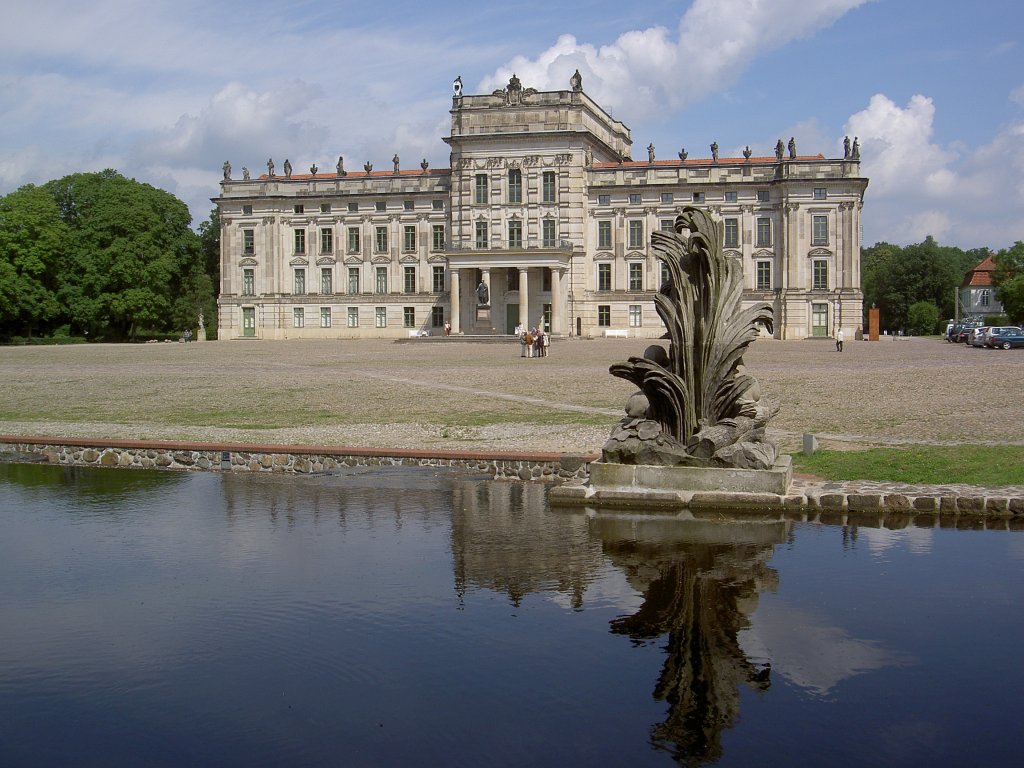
{"x": 299, "y": 261}
{"x": 248, "y": 261}
{"x": 732, "y": 254}
{"x": 437, "y": 258}
{"x": 819, "y": 253}
{"x": 381, "y": 258}
{"x": 604, "y": 257}
{"x": 636, "y": 255}
{"x": 763, "y": 253}
{"x": 326, "y": 260}
{"x": 409, "y": 258}
{"x": 353, "y": 260}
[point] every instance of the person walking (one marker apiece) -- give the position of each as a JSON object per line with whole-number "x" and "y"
{"x": 839, "y": 340}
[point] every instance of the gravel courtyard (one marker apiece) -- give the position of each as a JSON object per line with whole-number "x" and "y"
{"x": 460, "y": 395}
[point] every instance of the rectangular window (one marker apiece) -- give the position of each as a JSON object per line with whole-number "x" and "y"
{"x": 437, "y": 243}
{"x": 732, "y": 233}
{"x": 819, "y": 230}
{"x": 636, "y": 234}
{"x": 667, "y": 198}
{"x": 326, "y": 241}
{"x": 299, "y": 208}
{"x": 409, "y": 238}
{"x": 248, "y": 282}
{"x": 382, "y": 280}
{"x": 764, "y": 275}
{"x": 664, "y": 273}
{"x": 636, "y": 276}
{"x": 636, "y": 315}
{"x": 634, "y": 198}
{"x": 380, "y": 206}
{"x": 604, "y": 277}
{"x": 408, "y": 205}
{"x": 764, "y": 232}
{"x": 515, "y": 234}
{"x": 247, "y": 210}
{"x": 325, "y": 207}
{"x": 380, "y": 315}
{"x": 409, "y": 275}
{"x": 604, "y": 199}
{"x": 548, "y": 233}
{"x": 437, "y": 205}
{"x": 820, "y": 277}
{"x": 326, "y": 280}
{"x": 299, "y": 283}
{"x": 353, "y": 239}
{"x": 353, "y": 279}
{"x": 409, "y": 317}
{"x": 480, "y": 189}
{"x": 325, "y": 317}
{"x": 762, "y": 195}
{"x": 545, "y": 279}
{"x": 380, "y": 244}
{"x": 604, "y": 315}
{"x": 248, "y": 242}
{"x": 698, "y": 197}
{"x": 437, "y": 317}
{"x": 437, "y": 280}
{"x": 353, "y": 207}
{"x": 548, "y": 187}
{"x": 299, "y": 317}
{"x": 731, "y": 197}
{"x": 481, "y": 234}
{"x": 984, "y": 297}
{"x": 300, "y": 240}
{"x": 512, "y": 279}
{"x": 353, "y": 317}
{"x": 666, "y": 225}
{"x": 515, "y": 185}
{"x": 820, "y": 193}
{"x": 546, "y": 315}
{"x": 604, "y": 234}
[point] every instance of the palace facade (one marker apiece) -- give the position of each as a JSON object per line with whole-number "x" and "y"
{"x": 541, "y": 218}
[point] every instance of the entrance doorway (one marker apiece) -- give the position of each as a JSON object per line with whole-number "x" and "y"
{"x": 819, "y": 320}
{"x": 248, "y": 321}
{"x": 511, "y": 317}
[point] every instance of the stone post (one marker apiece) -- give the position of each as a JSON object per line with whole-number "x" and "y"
{"x": 524, "y": 297}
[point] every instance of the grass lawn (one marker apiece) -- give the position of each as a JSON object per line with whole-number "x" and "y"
{"x": 925, "y": 464}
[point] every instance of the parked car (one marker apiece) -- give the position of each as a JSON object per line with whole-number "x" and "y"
{"x": 1008, "y": 339}
{"x": 961, "y": 332}
{"x": 996, "y": 330}
{"x": 977, "y": 337}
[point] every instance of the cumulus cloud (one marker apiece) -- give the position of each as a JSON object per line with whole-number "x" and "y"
{"x": 647, "y": 70}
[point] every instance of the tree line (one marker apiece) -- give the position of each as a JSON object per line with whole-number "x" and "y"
{"x": 104, "y": 257}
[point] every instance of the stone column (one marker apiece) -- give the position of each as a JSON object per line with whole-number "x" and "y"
{"x": 524, "y": 297}
{"x": 454, "y": 297}
{"x": 557, "y": 300}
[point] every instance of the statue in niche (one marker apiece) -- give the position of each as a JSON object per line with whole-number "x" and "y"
{"x": 270, "y": 167}
{"x": 457, "y": 87}
{"x": 483, "y": 295}
{"x": 683, "y": 154}
{"x": 368, "y": 167}
{"x": 394, "y": 161}
{"x": 714, "y": 151}
{"x": 588, "y": 156}
{"x": 313, "y": 169}
{"x": 424, "y": 164}
{"x": 779, "y": 149}
{"x": 846, "y": 148}
{"x": 696, "y": 405}
{"x": 650, "y": 153}
{"x": 287, "y": 168}
{"x": 227, "y": 170}
{"x": 245, "y": 173}
{"x": 792, "y": 148}
{"x": 340, "y": 167}
{"x": 576, "y": 81}
{"x": 855, "y": 152}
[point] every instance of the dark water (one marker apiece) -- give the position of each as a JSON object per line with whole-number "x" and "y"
{"x": 411, "y": 617}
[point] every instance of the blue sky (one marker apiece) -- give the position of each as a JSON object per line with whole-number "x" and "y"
{"x": 166, "y": 91}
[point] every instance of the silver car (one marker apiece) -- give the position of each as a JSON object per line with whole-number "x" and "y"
{"x": 997, "y": 329}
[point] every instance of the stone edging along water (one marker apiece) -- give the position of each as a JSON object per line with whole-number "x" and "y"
{"x": 805, "y": 496}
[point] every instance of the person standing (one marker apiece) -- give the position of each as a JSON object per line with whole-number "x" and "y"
{"x": 839, "y": 340}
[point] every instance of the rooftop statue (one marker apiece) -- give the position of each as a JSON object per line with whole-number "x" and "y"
{"x": 696, "y": 406}
{"x": 287, "y": 168}
{"x": 227, "y": 170}
{"x": 714, "y": 152}
{"x": 779, "y": 149}
{"x": 340, "y": 167}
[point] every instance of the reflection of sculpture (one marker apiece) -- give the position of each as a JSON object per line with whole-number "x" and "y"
{"x": 779, "y": 149}
{"x": 482, "y": 293}
{"x": 227, "y": 171}
{"x": 695, "y": 406}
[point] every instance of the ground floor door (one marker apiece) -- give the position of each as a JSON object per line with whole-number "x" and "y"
{"x": 248, "y": 321}
{"x": 819, "y": 320}
{"x": 511, "y": 318}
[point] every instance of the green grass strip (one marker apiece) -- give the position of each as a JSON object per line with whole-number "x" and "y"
{"x": 929, "y": 464}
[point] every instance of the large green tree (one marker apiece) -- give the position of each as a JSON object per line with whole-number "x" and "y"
{"x": 1009, "y": 280}
{"x": 33, "y": 240}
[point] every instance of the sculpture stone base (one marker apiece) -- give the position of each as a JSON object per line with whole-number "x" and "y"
{"x": 648, "y": 488}
{"x": 482, "y": 325}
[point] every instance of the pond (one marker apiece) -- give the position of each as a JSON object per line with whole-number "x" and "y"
{"x": 378, "y": 617}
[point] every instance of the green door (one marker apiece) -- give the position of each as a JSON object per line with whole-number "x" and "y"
{"x": 248, "y": 321}
{"x": 819, "y": 320}
{"x": 511, "y": 318}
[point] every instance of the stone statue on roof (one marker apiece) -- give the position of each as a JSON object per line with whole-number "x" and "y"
{"x": 747, "y": 153}
{"x": 576, "y": 81}
{"x": 779, "y": 149}
{"x": 340, "y": 167}
{"x": 245, "y": 173}
{"x": 650, "y": 153}
{"x": 792, "y": 148}
{"x": 270, "y": 167}
{"x": 846, "y": 148}
{"x": 394, "y": 161}
{"x": 287, "y": 168}
{"x": 227, "y": 170}
{"x": 313, "y": 169}
{"x": 367, "y": 166}
{"x": 683, "y": 154}
{"x": 855, "y": 152}
{"x": 457, "y": 87}
{"x": 714, "y": 151}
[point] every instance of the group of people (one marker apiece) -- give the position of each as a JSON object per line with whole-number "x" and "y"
{"x": 533, "y": 342}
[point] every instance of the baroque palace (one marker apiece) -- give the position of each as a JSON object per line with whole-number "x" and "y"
{"x": 543, "y": 217}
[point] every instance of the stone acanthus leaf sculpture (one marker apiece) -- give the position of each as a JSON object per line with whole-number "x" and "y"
{"x": 696, "y": 406}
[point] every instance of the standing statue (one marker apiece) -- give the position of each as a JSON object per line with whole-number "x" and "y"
{"x": 846, "y": 148}
{"x": 779, "y": 149}
{"x": 201, "y": 333}
{"x": 650, "y": 153}
{"x": 394, "y": 161}
{"x": 245, "y": 173}
{"x": 576, "y": 81}
{"x": 287, "y": 169}
{"x": 683, "y": 154}
{"x": 227, "y": 171}
{"x": 457, "y": 87}
{"x": 270, "y": 167}
{"x": 747, "y": 153}
{"x": 855, "y": 152}
{"x": 792, "y": 148}
{"x": 588, "y": 156}
{"x": 714, "y": 151}
{"x": 482, "y": 293}
{"x": 340, "y": 167}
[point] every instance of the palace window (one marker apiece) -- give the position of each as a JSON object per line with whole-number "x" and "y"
{"x": 698, "y": 197}
{"x": 548, "y": 187}
{"x": 820, "y": 193}
{"x": 667, "y": 198}
{"x": 326, "y": 241}
{"x": 326, "y": 280}
{"x": 666, "y": 225}
{"x": 298, "y": 317}
{"x": 762, "y": 195}
{"x": 409, "y": 275}
{"x": 325, "y": 207}
{"x": 819, "y": 280}
{"x": 408, "y": 205}
{"x": 515, "y": 185}
{"x": 984, "y": 297}
{"x": 604, "y": 199}
{"x": 247, "y": 210}
{"x": 248, "y": 242}
{"x": 764, "y": 275}
{"x": 299, "y": 209}
{"x": 248, "y": 282}
{"x": 604, "y": 234}
{"x": 353, "y": 240}
{"x": 604, "y": 315}
{"x": 512, "y": 279}
{"x": 353, "y": 317}
{"x": 545, "y": 279}
{"x": 299, "y": 283}
{"x": 380, "y": 316}
{"x": 731, "y": 197}
{"x": 409, "y": 238}
{"x": 545, "y": 312}
{"x": 634, "y": 198}
{"x": 353, "y": 207}
{"x": 548, "y": 233}
{"x": 819, "y": 230}
{"x": 300, "y": 240}
{"x": 604, "y": 277}
{"x": 325, "y": 317}
{"x": 382, "y": 280}
{"x": 636, "y": 276}
{"x": 380, "y": 206}
{"x": 381, "y": 240}
{"x": 481, "y": 235}
{"x": 409, "y": 317}
{"x": 636, "y": 315}
{"x": 353, "y": 279}
{"x": 515, "y": 234}
{"x": 480, "y": 190}
{"x": 732, "y": 233}
{"x": 636, "y": 234}
{"x": 437, "y": 317}
{"x": 764, "y": 232}
{"x": 437, "y": 243}
{"x": 437, "y": 205}
{"x": 437, "y": 282}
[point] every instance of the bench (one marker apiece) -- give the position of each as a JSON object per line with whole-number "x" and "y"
{"x": 616, "y": 333}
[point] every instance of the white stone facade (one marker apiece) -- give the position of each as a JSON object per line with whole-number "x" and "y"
{"x": 542, "y": 205}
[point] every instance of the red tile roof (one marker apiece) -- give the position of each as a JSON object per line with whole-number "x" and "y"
{"x": 981, "y": 275}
